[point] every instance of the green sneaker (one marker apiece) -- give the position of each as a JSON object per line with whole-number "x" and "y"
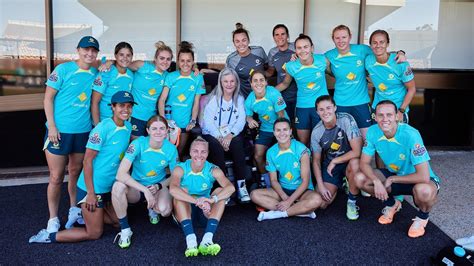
{"x": 154, "y": 217}
{"x": 125, "y": 239}
{"x": 209, "y": 249}
{"x": 352, "y": 212}
{"x": 191, "y": 252}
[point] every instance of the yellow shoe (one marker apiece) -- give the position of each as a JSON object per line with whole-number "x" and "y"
{"x": 389, "y": 212}
{"x": 191, "y": 252}
{"x": 417, "y": 228}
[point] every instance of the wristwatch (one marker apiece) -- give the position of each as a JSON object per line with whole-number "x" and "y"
{"x": 401, "y": 110}
{"x": 192, "y": 121}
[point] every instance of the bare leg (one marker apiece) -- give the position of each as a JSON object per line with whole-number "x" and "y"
{"x": 164, "y": 202}
{"x": 94, "y": 227}
{"x": 304, "y": 136}
{"x": 307, "y": 203}
{"x": 259, "y": 157}
{"x": 74, "y": 168}
{"x": 56, "y": 164}
{"x": 425, "y": 196}
{"x": 266, "y": 198}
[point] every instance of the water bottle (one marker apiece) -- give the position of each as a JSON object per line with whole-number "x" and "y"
{"x": 168, "y": 112}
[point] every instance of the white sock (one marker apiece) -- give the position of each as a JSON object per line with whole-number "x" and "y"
{"x": 271, "y": 215}
{"x": 207, "y": 238}
{"x": 191, "y": 241}
{"x": 311, "y": 215}
{"x": 126, "y": 231}
{"x": 351, "y": 201}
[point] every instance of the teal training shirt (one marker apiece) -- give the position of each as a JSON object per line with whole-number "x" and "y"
{"x": 110, "y": 141}
{"x": 72, "y": 102}
{"x": 349, "y": 71}
{"x": 287, "y": 164}
{"x": 182, "y": 90}
{"x": 146, "y": 89}
{"x": 197, "y": 184}
{"x": 401, "y": 153}
{"x": 310, "y": 80}
{"x": 389, "y": 79}
{"x": 107, "y": 84}
{"x": 266, "y": 107}
{"x": 149, "y": 165}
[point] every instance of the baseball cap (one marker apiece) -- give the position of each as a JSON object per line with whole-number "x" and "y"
{"x": 122, "y": 97}
{"x": 88, "y": 41}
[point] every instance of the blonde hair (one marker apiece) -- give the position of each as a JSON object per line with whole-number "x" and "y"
{"x": 161, "y": 46}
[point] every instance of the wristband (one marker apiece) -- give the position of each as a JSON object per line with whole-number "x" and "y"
{"x": 401, "y": 110}
{"x": 158, "y": 186}
{"x": 192, "y": 121}
{"x": 215, "y": 198}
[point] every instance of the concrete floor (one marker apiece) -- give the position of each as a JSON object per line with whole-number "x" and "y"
{"x": 454, "y": 212}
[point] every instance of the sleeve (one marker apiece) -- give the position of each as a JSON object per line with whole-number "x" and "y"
{"x": 366, "y": 50}
{"x": 100, "y": 83}
{"x": 97, "y": 137}
{"x": 350, "y": 127}
{"x": 279, "y": 103}
{"x": 407, "y": 72}
{"x": 248, "y": 107}
{"x": 271, "y": 54}
{"x": 302, "y": 151}
{"x": 270, "y": 165}
{"x": 315, "y": 137}
{"x": 201, "y": 87}
{"x": 264, "y": 56}
{"x": 369, "y": 145}
{"x": 56, "y": 78}
{"x": 133, "y": 150}
{"x": 418, "y": 152}
{"x": 173, "y": 158}
{"x": 239, "y": 124}
{"x": 169, "y": 81}
{"x": 210, "y": 113}
{"x": 287, "y": 67}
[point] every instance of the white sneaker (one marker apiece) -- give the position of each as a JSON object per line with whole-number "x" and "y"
{"x": 465, "y": 240}
{"x": 41, "y": 237}
{"x": 243, "y": 193}
{"x": 125, "y": 238}
{"x": 53, "y": 225}
{"x": 74, "y": 214}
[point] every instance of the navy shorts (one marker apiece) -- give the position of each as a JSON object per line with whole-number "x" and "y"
{"x": 102, "y": 198}
{"x": 138, "y": 127}
{"x": 68, "y": 144}
{"x": 338, "y": 174}
{"x": 290, "y": 110}
{"x": 362, "y": 114}
{"x": 265, "y": 138}
{"x": 401, "y": 189}
{"x": 306, "y": 118}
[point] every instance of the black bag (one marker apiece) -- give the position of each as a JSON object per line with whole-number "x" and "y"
{"x": 453, "y": 255}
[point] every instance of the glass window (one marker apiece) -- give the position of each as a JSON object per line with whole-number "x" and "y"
{"x": 432, "y": 36}
{"x": 208, "y": 24}
{"x": 141, "y": 24}
{"x": 22, "y": 47}
{"x": 325, "y": 15}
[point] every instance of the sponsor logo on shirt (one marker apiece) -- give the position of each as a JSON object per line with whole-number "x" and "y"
{"x": 82, "y": 97}
{"x": 95, "y": 139}
{"x": 181, "y": 97}
{"x": 408, "y": 72}
{"x": 351, "y": 76}
{"x": 382, "y": 87}
{"x": 419, "y": 150}
{"x": 288, "y": 176}
{"x": 335, "y": 146}
{"x": 53, "y": 77}
{"x": 280, "y": 101}
{"x": 394, "y": 167}
{"x": 152, "y": 91}
{"x": 131, "y": 148}
{"x": 98, "y": 81}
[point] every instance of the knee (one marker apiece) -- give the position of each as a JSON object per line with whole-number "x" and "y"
{"x": 315, "y": 201}
{"x": 119, "y": 189}
{"x": 56, "y": 179}
{"x": 94, "y": 234}
{"x": 423, "y": 192}
{"x": 165, "y": 209}
{"x": 74, "y": 170}
{"x": 255, "y": 195}
{"x": 359, "y": 179}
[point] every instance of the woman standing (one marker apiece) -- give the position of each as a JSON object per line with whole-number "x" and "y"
{"x": 118, "y": 78}
{"x": 181, "y": 94}
{"x": 105, "y": 148}
{"x": 67, "y": 108}
{"x": 224, "y": 121}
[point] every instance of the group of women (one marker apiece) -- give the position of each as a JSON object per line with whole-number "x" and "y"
{"x": 241, "y": 98}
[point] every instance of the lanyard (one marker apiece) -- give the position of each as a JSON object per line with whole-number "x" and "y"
{"x": 220, "y": 111}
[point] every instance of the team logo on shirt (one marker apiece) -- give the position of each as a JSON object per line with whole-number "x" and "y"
{"x": 419, "y": 150}
{"x": 53, "y": 77}
{"x": 131, "y": 149}
{"x": 152, "y": 91}
{"x": 391, "y": 76}
{"x": 95, "y": 139}
{"x": 257, "y": 62}
{"x": 204, "y": 186}
{"x": 191, "y": 88}
{"x": 318, "y": 74}
{"x": 359, "y": 63}
{"x": 351, "y": 76}
{"x": 401, "y": 156}
{"x": 295, "y": 165}
{"x": 408, "y": 72}
{"x": 82, "y": 97}
{"x": 56, "y": 146}
{"x": 163, "y": 162}
{"x": 98, "y": 81}
{"x": 134, "y": 128}
{"x": 181, "y": 97}
{"x": 270, "y": 108}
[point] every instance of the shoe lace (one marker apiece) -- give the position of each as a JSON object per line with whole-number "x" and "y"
{"x": 386, "y": 211}
{"x": 119, "y": 235}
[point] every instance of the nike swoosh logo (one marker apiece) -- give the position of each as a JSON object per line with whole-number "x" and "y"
{"x": 74, "y": 83}
{"x": 326, "y": 142}
{"x": 142, "y": 161}
{"x": 276, "y": 59}
{"x": 115, "y": 142}
{"x": 147, "y": 77}
{"x": 299, "y": 78}
{"x": 240, "y": 69}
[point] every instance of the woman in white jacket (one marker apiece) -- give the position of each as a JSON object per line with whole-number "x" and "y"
{"x": 224, "y": 121}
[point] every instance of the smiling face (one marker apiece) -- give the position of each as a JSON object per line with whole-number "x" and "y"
{"x": 185, "y": 62}
{"x": 87, "y": 55}
{"x": 342, "y": 39}
{"x": 258, "y": 83}
{"x": 379, "y": 44}
{"x": 241, "y": 43}
{"x": 124, "y": 57}
{"x": 386, "y": 118}
{"x": 199, "y": 151}
{"x": 228, "y": 84}
{"x": 282, "y": 132}
{"x": 280, "y": 36}
{"x": 326, "y": 111}
{"x": 304, "y": 49}
{"x": 122, "y": 111}
{"x": 163, "y": 60}
{"x": 157, "y": 131}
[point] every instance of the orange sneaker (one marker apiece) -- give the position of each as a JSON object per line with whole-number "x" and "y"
{"x": 260, "y": 209}
{"x": 417, "y": 228}
{"x": 389, "y": 212}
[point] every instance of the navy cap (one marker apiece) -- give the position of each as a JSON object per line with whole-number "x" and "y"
{"x": 88, "y": 41}
{"x": 122, "y": 97}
